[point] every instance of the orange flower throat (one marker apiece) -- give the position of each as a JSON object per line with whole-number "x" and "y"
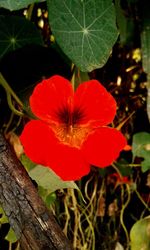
{"x": 69, "y": 131}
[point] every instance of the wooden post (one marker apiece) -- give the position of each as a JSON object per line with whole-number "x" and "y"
{"x": 28, "y": 216}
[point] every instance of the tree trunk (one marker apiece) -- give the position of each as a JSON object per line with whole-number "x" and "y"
{"x": 32, "y": 222}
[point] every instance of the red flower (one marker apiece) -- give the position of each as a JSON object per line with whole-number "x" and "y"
{"x": 71, "y": 133}
{"x": 120, "y": 179}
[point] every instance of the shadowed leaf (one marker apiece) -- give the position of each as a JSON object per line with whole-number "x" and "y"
{"x": 16, "y": 4}
{"x": 85, "y": 30}
{"x": 141, "y": 148}
{"x": 16, "y": 32}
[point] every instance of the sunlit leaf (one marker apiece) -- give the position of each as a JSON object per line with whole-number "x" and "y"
{"x": 16, "y": 32}
{"x": 141, "y": 148}
{"x": 3, "y": 217}
{"x": 85, "y": 30}
{"x": 11, "y": 237}
{"x": 16, "y": 4}
{"x": 47, "y": 179}
{"x": 140, "y": 235}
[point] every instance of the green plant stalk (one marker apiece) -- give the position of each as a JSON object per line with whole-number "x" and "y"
{"x": 148, "y": 95}
{"x": 140, "y": 198}
{"x": 10, "y": 93}
{"x": 145, "y": 44}
{"x": 18, "y": 246}
{"x": 74, "y": 202}
{"x": 92, "y": 229}
{"x": 124, "y": 205}
{"x": 81, "y": 231}
{"x": 65, "y": 229}
{"x": 122, "y": 213}
{"x": 10, "y": 246}
{"x": 17, "y": 124}
{"x": 9, "y": 90}
{"x": 30, "y": 11}
{"x": 73, "y": 76}
{"x": 9, "y": 123}
{"x": 117, "y": 170}
{"x": 15, "y": 111}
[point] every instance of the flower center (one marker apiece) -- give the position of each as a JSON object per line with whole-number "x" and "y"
{"x": 73, "y": 136}
{"x": 69, "y": 131}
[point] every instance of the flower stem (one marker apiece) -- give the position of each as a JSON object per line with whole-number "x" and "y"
{"x": 6, "y": 86}
{"x": 124, "y": 205}
{"x": 73, "y": 76}
{"x": 122, "y": 213}
{"x": 30, "y": 11}
{"x": 14, "y": 110}
{"x": 117, "y": 170}
{"x": 124, "y": 121}
{"x": 141, "y": 199}
{"x": 9, "y": 123}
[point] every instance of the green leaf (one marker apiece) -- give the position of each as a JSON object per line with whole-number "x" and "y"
{"x": 11, "y": 237}
{"x": 84, "y": 29}
{"x": 27, "y": 163}
{"x": 47, "y": 179}
{"x": 145, "y": 44}
{"x": 16, "y": 4}
{"x": 46, "y": 195}
{"x": 51, "y": 198}
{"x": 123, "y": 167}
{"x": 3, "y": 217}
{"x": 16, "y": 32}
{"x": 140, "y": 235}
{"x": 141, "y": 148}
{"x": 125, "y": 24}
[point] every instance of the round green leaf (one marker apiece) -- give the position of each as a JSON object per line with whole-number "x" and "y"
{"x": 141, "y": 148}
{"x": 140, "y": 235}
{"x": 16, "y": 32}
{"x": 84, "y": 29}
{"x": 16, "y": 4}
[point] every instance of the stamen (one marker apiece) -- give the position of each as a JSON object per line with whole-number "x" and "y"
{"x": 72, "y": 136}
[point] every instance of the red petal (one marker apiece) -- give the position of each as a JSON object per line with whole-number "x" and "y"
{"x": 42, "y": 147}
{"x": 68, "y": 163}
{"x": 103, "y": 146}
{"x": 96, "y": 102}
{"x": 36, "y": 139}
{"x": 49, "y": 96}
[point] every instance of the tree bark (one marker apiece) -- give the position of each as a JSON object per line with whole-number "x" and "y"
{"x": 32, "y": 222}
